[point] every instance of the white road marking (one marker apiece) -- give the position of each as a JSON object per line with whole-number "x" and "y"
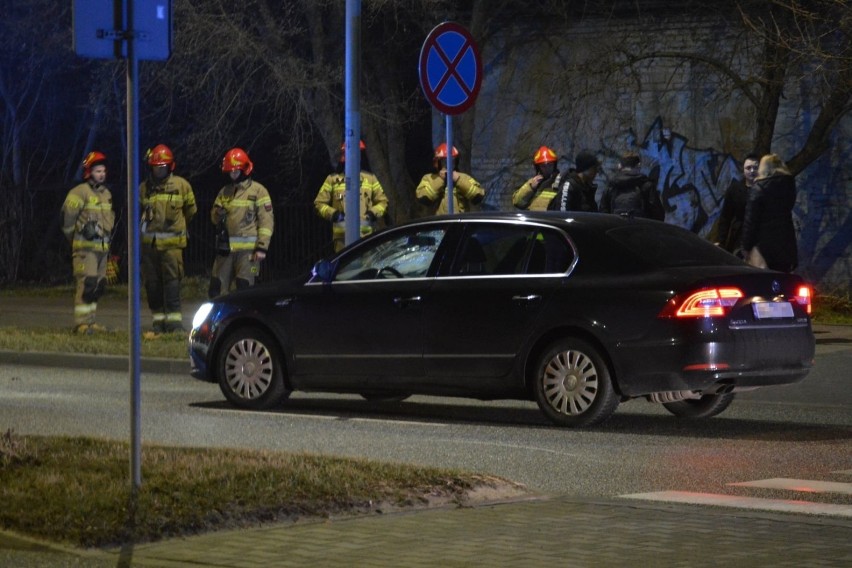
{"x": 781, "y": 505}
{"x": 802, "y": 485}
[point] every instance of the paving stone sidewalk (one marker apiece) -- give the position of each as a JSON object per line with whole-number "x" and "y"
{"x": 556, "y": 531}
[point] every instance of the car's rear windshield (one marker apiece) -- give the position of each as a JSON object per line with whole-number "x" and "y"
{"x": 665, "y": 246}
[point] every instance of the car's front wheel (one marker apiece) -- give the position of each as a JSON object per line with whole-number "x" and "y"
{"x": 250, "y": 369}
{"x": 704, "y": 407}
{"x": 573, "y": 385}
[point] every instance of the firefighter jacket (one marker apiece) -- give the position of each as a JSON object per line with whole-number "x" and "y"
{"x": 467, "y": 193}
{"x": 167, "y": 206}
{"x": 88, "y": 218}
{"x": 245, "y": 208}
{"x": 331, "y": 198}
{"x": 525, "y": 197}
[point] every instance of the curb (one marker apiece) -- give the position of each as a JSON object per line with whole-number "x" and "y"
{"x": 91, "y": 361}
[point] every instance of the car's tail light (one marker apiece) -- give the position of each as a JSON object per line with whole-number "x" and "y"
{"x": 707, "y": 303}
{"x": 803, "y": 298}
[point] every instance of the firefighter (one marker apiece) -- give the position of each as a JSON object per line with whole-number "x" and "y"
{"x": 168, "y": 204}
{"x": 330, "y": 202}
{"x": 467, "y": 193}
{"x": 242, "y": 215}
{"x": 87, "y": 222}
{"x": 537, "y": 192}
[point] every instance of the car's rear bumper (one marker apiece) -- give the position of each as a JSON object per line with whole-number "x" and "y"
{"x": 714, "y": 359}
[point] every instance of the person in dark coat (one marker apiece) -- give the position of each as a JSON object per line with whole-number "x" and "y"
{"x": 730, "y": 228}
{"x": 577, "y": 191}
{"x": 768, "y": 230}
{"x": 631, "y": 192}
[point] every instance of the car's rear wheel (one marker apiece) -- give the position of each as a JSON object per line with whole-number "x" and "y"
{"x": 573, "y": 385}
{"x": 704, "y": 407}
{"x": 251, "y": 370}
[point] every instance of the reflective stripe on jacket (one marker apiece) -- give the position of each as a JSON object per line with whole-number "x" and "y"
{"x": 84, "y": 204}
{"x": 525, "y": 197}
{"x": 466, "y": 193}
{"x": 167, "y": 207}
{"x": 247, "y": 209}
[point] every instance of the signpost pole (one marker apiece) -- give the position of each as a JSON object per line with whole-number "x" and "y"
{"x": 134, "y": 250}
{"x": 352, "y": 135}
{"x": 450, "y": 165}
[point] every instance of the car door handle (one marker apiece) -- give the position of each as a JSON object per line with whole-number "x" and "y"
{"x": 403, "y": 302}
{"x": 528, "y": 298}
{"x": 283, "y": 302}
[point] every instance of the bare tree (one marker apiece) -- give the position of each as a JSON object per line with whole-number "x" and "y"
{"x": 774, "y": 44}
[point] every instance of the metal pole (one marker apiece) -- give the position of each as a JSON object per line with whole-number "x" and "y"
{"x": 133, "y": 249}
{"x": 352, "y": 201}
{"x": 450, "y": 200}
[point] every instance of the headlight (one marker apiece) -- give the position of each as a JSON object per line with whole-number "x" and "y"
{"x": 201, "y": 314}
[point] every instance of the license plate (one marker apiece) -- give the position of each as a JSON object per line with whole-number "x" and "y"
{"x": 769, "y": 310}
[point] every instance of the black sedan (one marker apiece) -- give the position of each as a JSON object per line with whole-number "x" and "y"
{"x": 575, "y": 311}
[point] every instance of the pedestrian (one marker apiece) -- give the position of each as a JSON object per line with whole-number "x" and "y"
{"x": 330, "y": 202}
{"x": 87, "y": 222}
{"x": 168, "y": 204}
{"x": 432, "y": 190}
{"x": 769, "y": 237}
{"x": 730, "y": 228}
{"x": 576, "y": 191}
{"x": 538, "y": 191}
{"x": 243, "y": 217}
{"x": 632, "y": 193}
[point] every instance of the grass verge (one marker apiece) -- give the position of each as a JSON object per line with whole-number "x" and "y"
{"x": 76, "y": 490}
{"x": 167, "y": 345}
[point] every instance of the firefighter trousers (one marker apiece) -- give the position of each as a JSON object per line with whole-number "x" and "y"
{"x": 237, "y": 267}
{"x": 162, "y": 271}
{"x": 89, "y": 269}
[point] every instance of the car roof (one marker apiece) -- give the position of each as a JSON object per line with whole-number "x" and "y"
{"x": 561, "y": 219}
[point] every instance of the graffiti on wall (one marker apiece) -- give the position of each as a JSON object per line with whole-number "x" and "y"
{"x": 691, "y": 181}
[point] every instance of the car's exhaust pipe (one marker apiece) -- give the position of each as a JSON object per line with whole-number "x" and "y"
{"x": 672, "y": 396}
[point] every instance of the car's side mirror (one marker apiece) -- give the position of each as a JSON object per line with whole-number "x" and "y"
{"x": 324, "y": 270}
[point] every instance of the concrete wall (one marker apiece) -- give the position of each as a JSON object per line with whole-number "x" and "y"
{"x": 564, "y": 91}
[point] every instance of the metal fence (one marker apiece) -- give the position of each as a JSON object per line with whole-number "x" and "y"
{"x": 300, "y": 239}
{"x": 44, "y": 256}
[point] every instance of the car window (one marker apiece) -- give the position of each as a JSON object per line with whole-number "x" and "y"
{"x": 669, "y": 246}
{"x": 406, "y": 254}
{"x": 504, "y": 249}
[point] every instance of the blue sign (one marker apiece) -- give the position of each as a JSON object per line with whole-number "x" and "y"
{"x": 100, "y": 29}
{"x": 450, "y": 68}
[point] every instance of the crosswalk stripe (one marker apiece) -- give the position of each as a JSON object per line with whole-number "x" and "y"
{"x": 803, "y": 485}
{"x": 780, "y": 505}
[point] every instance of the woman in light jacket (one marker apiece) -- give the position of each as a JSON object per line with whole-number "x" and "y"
{"x": 769, "y": 238}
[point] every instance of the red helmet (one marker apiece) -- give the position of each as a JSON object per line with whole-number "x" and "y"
{"x": 237, "y": 159}
{"x": 361, "y": 146}
{"x": 161, "y": 155}
{"x": 441, "y": 151}
{"x": 90, "y": 161}
{"x": 544, "y": 155}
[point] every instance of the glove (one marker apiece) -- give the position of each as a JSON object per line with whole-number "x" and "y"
{"x": 371, "y": 217}
{"x": 337, "y": 217}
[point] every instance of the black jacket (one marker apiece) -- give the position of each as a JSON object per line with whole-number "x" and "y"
{"x": 768, "y": 222}
{"x": 574, "y": 195}
{"x": 632, "y": 193}
{"x": 729, "y": 231}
